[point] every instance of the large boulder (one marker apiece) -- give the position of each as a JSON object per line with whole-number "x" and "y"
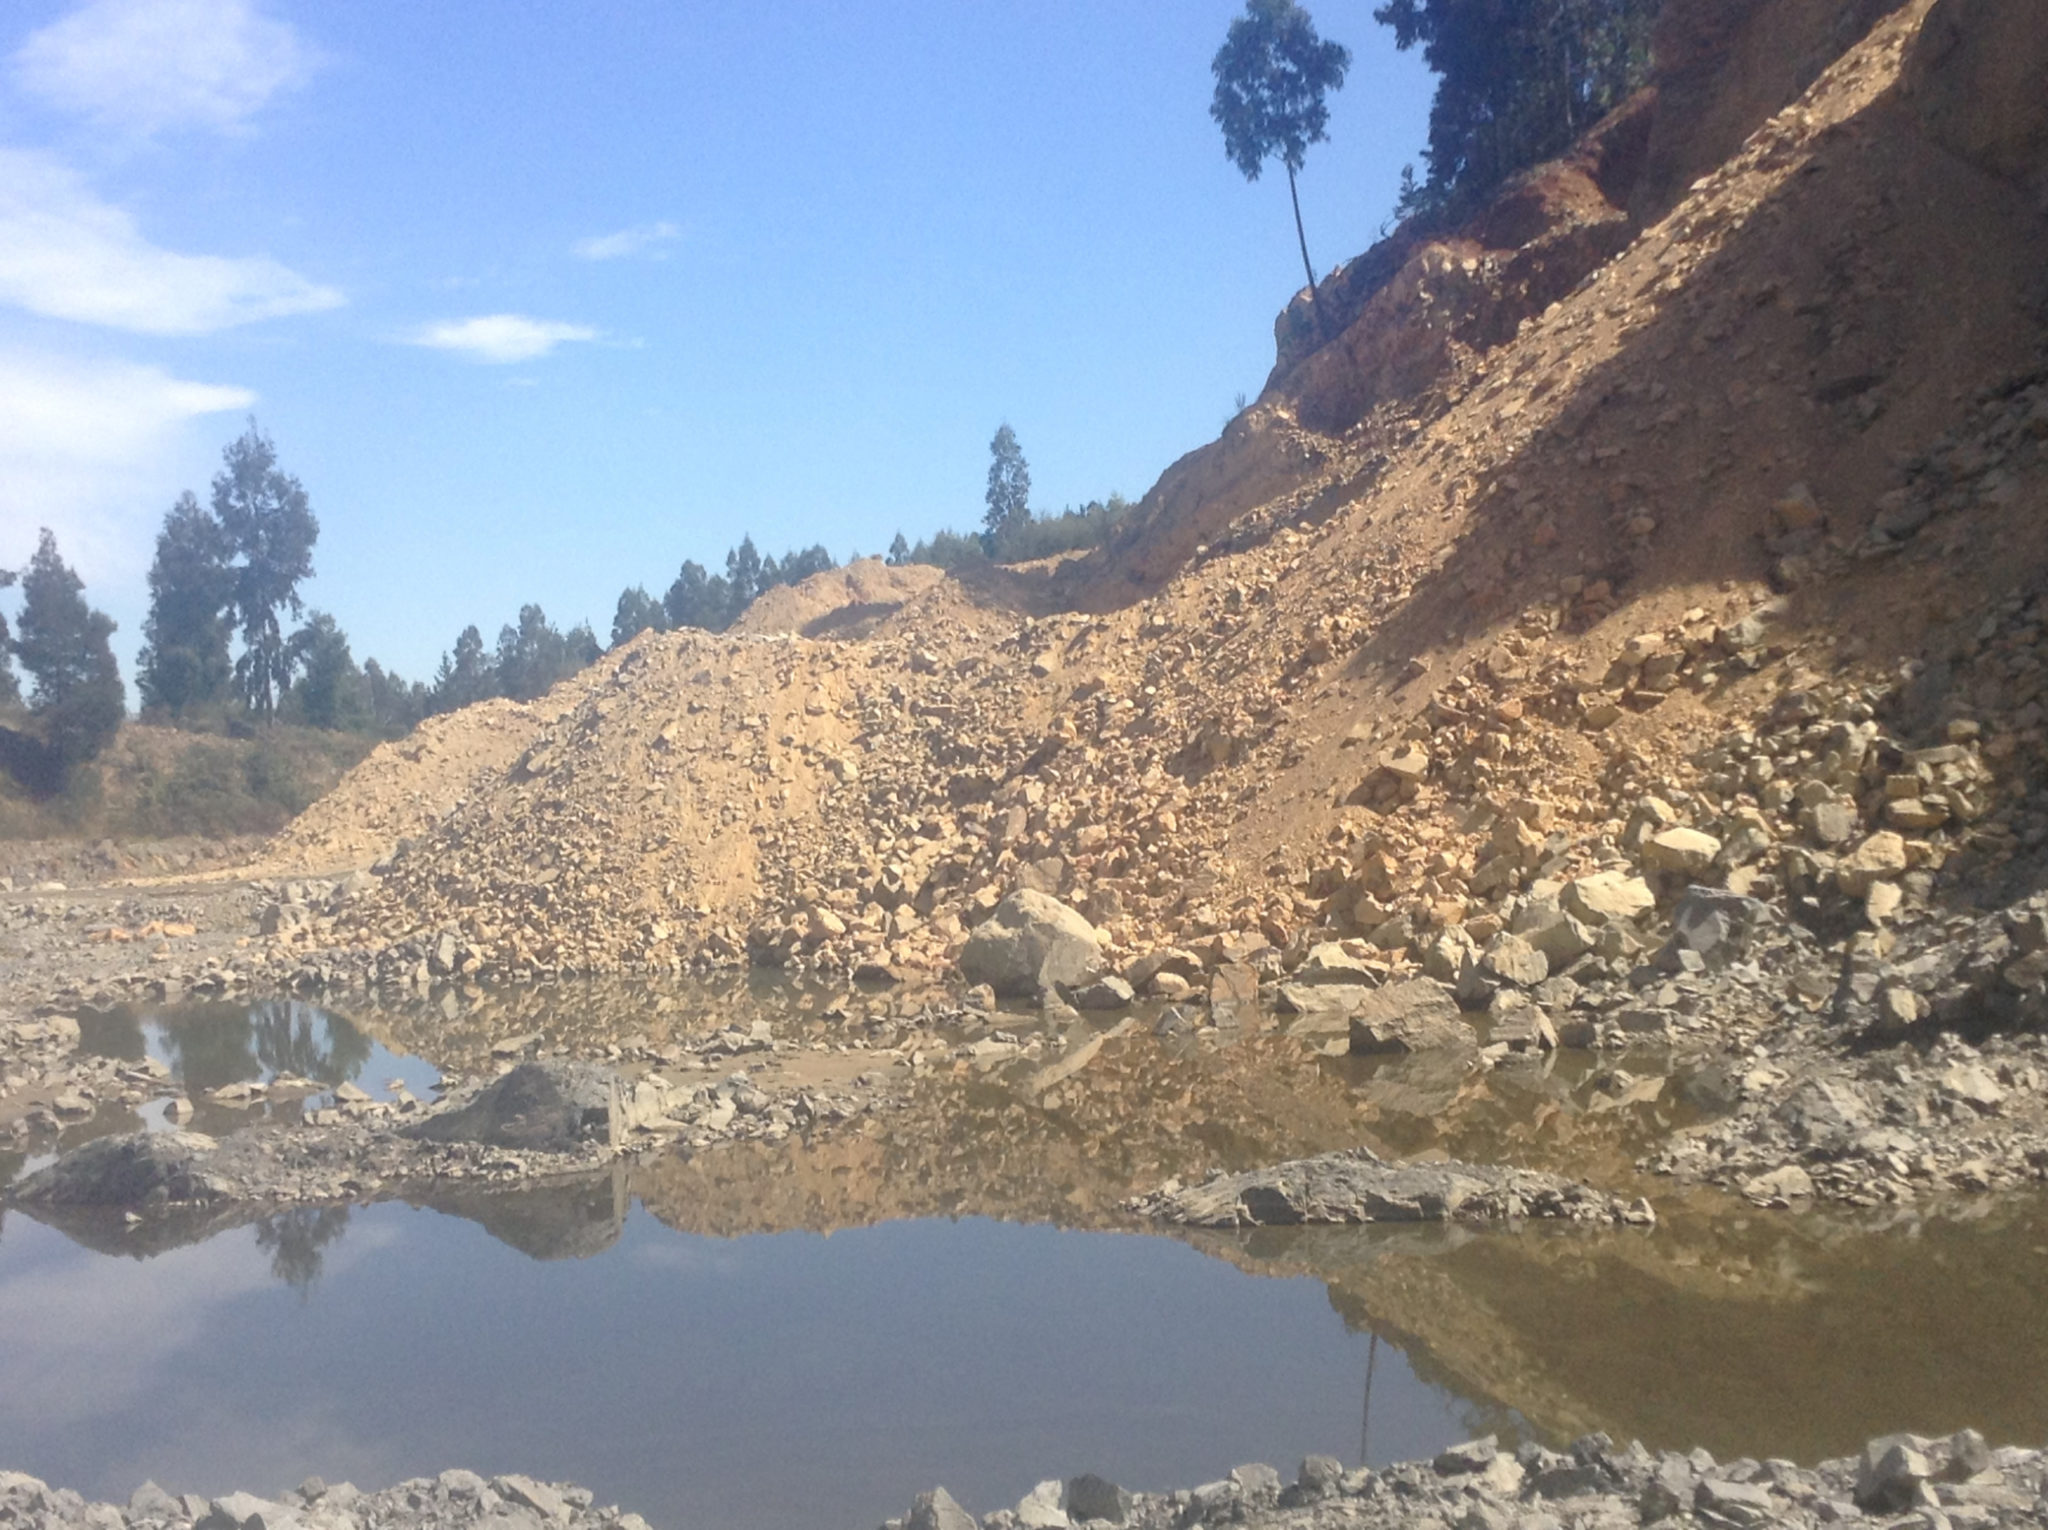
{"x": 1031, "y": 942}
{"x": 142, "y": 1168}
{"x": 538, "y": 1107}
{"x": 1412, "y": 1016}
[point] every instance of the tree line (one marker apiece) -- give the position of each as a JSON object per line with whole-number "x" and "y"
{"x": 76, "y": 700}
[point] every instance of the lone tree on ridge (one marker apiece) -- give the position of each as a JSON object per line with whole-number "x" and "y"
{"x": 1272, "y": 73}
{"x": 1009, "y": 485}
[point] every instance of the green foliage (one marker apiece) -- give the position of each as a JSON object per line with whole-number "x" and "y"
{"x": 270, "y": 524}
{"x": 713, "y": 602}
{"x": 1071, "y": 530}
{"x": 469, "y": 676}
{"x": 1035, "y": 536}
{"x": 533, "y": 656}
{"x": 395, "y": 706}
{"x": 1009, "y": 484}
{"x": 1518, "y": 80}
{"x": 79, "y": 701}
{"x": 10, "y": 688}
{"x": 330, "y": 691}
{"x": 950, "y": 550}
{"x": 184, "y": 662}
{"x": 1272, "y": 74}
{"x": 637, "y": 611}
{"x": 899, "y": 552}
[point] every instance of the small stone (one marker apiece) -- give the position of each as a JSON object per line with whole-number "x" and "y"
{"x": 1879, "y": 858}
{"x": 1607, "y": 897}
{"x": 1684, "y": 852}
{"x": 537, "y": 1496}
{"x": 1882, "y": 901}
{"x": 1258, "y": 1482}
{"x": 1974, "y": 1086}
{"x": 937, "y": 1510}
{"x": 1093, "y": 1497}
{"x": 1319, "y": 1476}
{"x": 1832, "y": 822}
{"x": 1472, "y": 1456}
{"x": 1893, "y": 1466}
{"x": 1514, "y": 960}
{"x": 1104, "y": 993}
{"x": 1786, "y": 1184}
{"x": 1040, "y": 1508}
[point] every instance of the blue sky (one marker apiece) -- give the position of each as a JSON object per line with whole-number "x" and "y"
{"x": 539, "y": 300}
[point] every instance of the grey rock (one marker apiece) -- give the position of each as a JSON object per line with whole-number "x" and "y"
{"x": 1742, "y": 1503}
{"x": 1411, "y": 1016}
{"x": 1892, "y": 1467}
{"x": 537, "y": 1496}
{"x": 538, "y": 1107}
{"x": 1515, "y": 960}
{"x": 1104, "y": 993}
{"x": 1472, "y": 1456}
{"x": 1319, "y": 1476}
{"x": 1331, "y": 963}
{"x": 245, "y": 1511}
{"x": 937, "y": 1510}
{"x": 1258, "y": 1482}
{"x": 1041, "y": 1508}
{"x": 1715, "y": 925}
{"x": 141, "y": 1168}
{"x": 1030, "y": 942}
{"x": 151, "y": 1502}
{"x": 1093, "y": 1497}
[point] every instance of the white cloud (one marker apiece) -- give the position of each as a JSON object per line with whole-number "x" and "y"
{"x": 67, "y": 254}
{"x": 93, "y": 450}
{"x": 145, "y": 65}
{"x": 642, "y": 239}
{"x": 500, "y": 337}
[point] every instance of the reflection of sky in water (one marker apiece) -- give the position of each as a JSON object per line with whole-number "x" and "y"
{"x": 764, "y": 1381}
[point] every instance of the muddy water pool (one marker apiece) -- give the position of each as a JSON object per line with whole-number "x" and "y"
{"x": 811, "y": 1331}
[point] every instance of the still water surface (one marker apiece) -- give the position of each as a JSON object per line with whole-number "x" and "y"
{"x": 769, "y": 1380}
{"x": 769, "y": 1334}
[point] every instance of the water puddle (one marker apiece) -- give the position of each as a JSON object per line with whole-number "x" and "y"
{"x": 809, "y": 1330}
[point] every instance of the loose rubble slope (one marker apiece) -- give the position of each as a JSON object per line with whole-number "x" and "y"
{"x": 1751, "y": 480}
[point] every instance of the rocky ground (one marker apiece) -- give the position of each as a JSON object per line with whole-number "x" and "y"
{"x": 426, "y": 1503}
{"x": 1899, "y": 1480}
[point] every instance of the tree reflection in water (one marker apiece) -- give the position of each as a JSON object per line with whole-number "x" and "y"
{"x": 225, "y": 1044}
{"x": 294, "y": 1240}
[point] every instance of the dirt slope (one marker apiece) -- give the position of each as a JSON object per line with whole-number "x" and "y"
{"x": 403, "y": 788}
{"x": 1618, "y": 554}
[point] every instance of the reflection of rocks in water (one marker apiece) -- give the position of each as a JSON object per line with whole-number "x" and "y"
{"x": 294, "y": 1239}
{"x": 457, "y": 1027}
{"x": 560, "y": 1219}
{"x": 564, "y": 1219}
{"x": 1748, "y": 1335}
{"x": 106, "y": 1230}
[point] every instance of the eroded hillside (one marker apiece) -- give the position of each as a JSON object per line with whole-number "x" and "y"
{"x": 1599, "y": 529}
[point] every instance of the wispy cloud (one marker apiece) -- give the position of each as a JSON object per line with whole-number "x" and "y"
{"x": 91, "y": 450}
{"x": 67, "y": 254}
{"x": 500, "y": 338}
{"x": 146, "y": 65}
{"x": 646, "y": 239}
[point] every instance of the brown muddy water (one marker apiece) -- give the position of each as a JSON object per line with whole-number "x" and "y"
{"x": 808, "y": 1332}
